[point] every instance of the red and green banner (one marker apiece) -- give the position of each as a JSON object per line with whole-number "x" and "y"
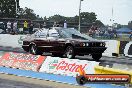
{"x": 65, "y": 66}
{"x": 22, "y": 61}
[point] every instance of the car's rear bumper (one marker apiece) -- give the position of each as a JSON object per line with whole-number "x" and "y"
{"x": 89, "y": 50}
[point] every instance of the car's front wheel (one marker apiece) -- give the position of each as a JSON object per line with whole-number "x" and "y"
{"x": 69, "y": 52}
{"x": 96, "y": 57}
{"x": 34, "y": 50}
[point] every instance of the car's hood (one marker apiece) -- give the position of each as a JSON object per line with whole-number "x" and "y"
{"x": 81, "y": 40}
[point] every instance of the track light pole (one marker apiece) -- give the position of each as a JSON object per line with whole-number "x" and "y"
{"x": 79, "y": 26}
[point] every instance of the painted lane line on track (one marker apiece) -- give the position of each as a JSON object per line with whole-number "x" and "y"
{"x": 52, "y": 77}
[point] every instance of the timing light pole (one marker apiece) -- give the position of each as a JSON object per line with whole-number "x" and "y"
{"x": 79, "y": 26}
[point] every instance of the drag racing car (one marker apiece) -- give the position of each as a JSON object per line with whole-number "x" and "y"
{"x": 66, "y": 42}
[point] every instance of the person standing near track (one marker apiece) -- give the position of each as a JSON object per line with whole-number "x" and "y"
{"x": 130, "y": 35}
{"x": 15, "y": 27}
{"x": 9, "y": 26}
{"x": 65, "y": 24}
{"x": 25, "y": 26}
{"x": 31, "y": 28}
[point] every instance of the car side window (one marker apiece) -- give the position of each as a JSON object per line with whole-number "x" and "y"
{"x": 41, "y": 33}
{"x": 63, "y": 34}
{"x": 53, "y": 33}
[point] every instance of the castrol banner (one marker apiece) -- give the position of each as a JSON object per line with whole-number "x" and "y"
{"x": 22, "y": 61}
{"x": 68, "y": 67}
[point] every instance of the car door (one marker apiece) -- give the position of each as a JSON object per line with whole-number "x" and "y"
{"x": 41, "y": 40}
{"x": 55, "y": 42}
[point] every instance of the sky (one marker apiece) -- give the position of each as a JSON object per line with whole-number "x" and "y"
{"x": 122, "y": 9}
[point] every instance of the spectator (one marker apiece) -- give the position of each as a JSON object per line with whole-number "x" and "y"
{"x": 96, "y": 32}
{"x": 25, "y": 26}
{"x": 91, "y": 31}
{"x": 44, "y": 25}
{"x": 65, "y": 24}
{"x": 5, "y": 27}
{"x": 15, "y": 27}
{"x": 106, "y": 34}
{"x": 101, "y": 33}
{"x": 115, "y": 33}
{"x": 130, "y": 35}
{"x": 9, "y": 27}
{"x": 54, "y": 25}
{"x": 41, "y": 25}
{"x": 110, "y": 33}
{"x": 31, "y": 28}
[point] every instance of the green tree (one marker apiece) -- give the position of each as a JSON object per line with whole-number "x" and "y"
{"x": 98, "y": 23}
{"x": 72, "y": 19}
{"x": 45, "y": 18}
{"x": 7, "y": 8}
{"x": 88, "y": 18}
{"x": 27, "y": 13}
{"x": 57, "y": 18}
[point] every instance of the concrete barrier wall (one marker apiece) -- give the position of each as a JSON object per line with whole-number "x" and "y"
{"x": 22, "y": 61}
{"x": 11, "y": 40}
{"x": 53, "y": 65}
{"x": 114, "y": 47}
{"x": 126, "y": 48}
{"x": 68, "y": 67}
{"x": 106, "y": 70}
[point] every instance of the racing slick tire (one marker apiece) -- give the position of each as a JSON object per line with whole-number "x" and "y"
{"x": 34, "y": 50}
{"x": 69, "y": 52}
{"x": 96, "y": 57}
{"x": 81, "y": 80}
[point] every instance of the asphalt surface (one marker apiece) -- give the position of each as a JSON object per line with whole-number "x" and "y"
{"x": 11, "y": 81}
{"x": 123, "y": 63}
{"x": 4, "y": 83}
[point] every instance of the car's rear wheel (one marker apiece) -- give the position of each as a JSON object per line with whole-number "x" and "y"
{"x": 34, "y": 50}
{"x": 69, "y": 52}
{"x": 96, "y": 57}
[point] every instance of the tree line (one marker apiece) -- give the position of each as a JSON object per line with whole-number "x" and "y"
{"x": 8, "y": 10}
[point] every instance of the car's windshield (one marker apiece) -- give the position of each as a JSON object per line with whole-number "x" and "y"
{"x": 73, "y": 33}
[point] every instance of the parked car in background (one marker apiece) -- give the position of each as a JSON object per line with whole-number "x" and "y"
{"x": 66, "y": 42}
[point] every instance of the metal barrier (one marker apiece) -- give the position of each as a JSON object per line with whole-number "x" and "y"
{"x": 106, "y": 70}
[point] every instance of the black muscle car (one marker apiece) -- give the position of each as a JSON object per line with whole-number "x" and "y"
{"x": 67, "y": 42}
